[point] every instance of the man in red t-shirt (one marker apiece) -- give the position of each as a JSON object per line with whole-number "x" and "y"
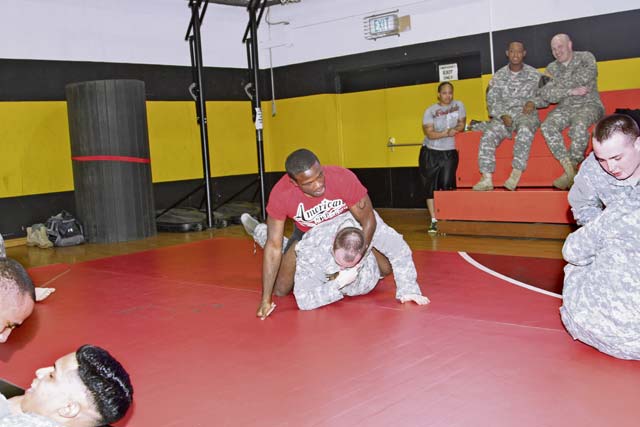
{"x": 309, "y": 194}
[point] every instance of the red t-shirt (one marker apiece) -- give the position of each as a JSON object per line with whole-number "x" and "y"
{"x": 342, "y": 190}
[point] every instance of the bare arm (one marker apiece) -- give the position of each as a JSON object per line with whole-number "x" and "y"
{"x": 363, "y": 212}
{"x": 270, "y": 263}
{"x": 431, "y": 133}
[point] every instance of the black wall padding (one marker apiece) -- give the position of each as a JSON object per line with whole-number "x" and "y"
{"x": 114, "y": 195}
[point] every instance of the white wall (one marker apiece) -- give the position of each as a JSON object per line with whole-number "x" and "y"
{"x": 152, "y": 31}
{"x": 321, "y": 29}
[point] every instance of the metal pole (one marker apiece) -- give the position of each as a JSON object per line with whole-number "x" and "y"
{"x": 254, "y": 69}
{"x": 201, "y": 109}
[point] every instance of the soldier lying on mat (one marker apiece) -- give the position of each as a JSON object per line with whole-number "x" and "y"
{"x": 601, "y": 295}
{"x": 316, "y": 265}
{"x": 17, "y": 296}
{"x": 87, "y": 388}
{"x": 330, "y": 264}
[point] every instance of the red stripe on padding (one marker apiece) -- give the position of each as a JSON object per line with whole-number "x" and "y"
{"x": 111, "y": 159}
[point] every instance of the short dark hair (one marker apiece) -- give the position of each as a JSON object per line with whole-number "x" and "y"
{"x": 14, "y": 274}
{"x": 300, "y": 161}
{"x": 107, "y": 382}
{"x": 615, "y": 123}
{"x": 441, "y": 85}
{"x": 351, "y": 240}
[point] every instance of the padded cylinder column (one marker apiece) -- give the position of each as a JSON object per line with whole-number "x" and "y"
{"x": 110, "y": 152}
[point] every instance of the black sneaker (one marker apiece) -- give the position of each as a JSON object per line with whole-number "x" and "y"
{"x": 433, "y": 228}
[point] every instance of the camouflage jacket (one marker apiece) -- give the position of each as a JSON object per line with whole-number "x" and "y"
{"x": 601, "y": 295}
{"x": 508, "y": 92}
{"x": 312, "y": 288}
{"x": 593, "y": 189}
{"x": 582, "y": 70}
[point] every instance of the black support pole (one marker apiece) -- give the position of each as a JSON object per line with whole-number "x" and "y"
{"x": 195, "y": 44}
{"x": 254, "y": 70}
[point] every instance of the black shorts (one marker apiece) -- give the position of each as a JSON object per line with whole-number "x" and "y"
{"x": 296, "y": 236}
{"x": 438, "y": 170}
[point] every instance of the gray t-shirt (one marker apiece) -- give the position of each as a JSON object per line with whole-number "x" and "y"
{"x": 443, "y": 117}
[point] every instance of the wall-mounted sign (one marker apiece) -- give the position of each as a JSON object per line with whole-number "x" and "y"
{"x": 448, "y": 72}
{"x": 382, "y": 25}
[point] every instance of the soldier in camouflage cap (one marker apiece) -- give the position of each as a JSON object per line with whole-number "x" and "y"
{"x": 601, "y": 295}
{"x": 512, "y": 100}
{"x": 573, "y": 86}
{"x": 611, "y": 171}
{"x": 330, "y": 264}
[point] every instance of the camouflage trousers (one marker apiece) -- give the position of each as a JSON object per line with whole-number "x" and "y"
{"x": 578, "y": 121}
{"x": 524, "y": 126}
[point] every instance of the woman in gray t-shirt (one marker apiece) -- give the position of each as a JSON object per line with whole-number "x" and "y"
{"x": 438, "y": 159}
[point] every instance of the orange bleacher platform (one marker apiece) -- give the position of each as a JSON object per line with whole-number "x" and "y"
{"x": 535, "y": 200}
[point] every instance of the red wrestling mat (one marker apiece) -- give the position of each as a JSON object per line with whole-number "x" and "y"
{"x": 181, "y": 319}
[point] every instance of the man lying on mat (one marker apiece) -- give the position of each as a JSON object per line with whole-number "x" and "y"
{"x": 309, "y": 194}
{"x": 330, "y": 262}
{"x": 601, "y": 294}
{"x": 611, "y": 171}
{"x": 87, "y": 388}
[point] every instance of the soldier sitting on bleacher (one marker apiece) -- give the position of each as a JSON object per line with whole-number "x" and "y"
{"x": 611, "y": 171}
{"x": 512, "y": 101}
{"x": 573, "y": 86}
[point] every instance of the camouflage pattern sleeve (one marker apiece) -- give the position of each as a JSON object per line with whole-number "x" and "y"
{"x": 601, "y": 294}
{"x": 494, "y": 98}
{"x": 583, "y": 197}
{"x": 555, "y": 90}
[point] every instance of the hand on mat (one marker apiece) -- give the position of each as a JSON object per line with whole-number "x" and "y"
{"x": 265, "y": 309}
{"x": 43, "y": 293}
{"x": 418, "y": 299}
{"x": 347, "y": 276}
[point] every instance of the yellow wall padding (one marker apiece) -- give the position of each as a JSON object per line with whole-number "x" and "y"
{"x": 174, "y": 139}
{"x": 34, "y": 148}
{"x": 350, "y": 130}
{"x": 306, "y": 122}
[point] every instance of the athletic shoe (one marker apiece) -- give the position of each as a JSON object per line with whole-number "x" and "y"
{"x": 433, "y": 228}
{"x": 249, "y": 223}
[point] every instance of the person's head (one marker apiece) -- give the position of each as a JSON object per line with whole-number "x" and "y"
{"x": 88, "y": 388}
{"x": 516, "y": 53}
{"x": 348, "y": 246}
{"x": 562, "y": 48}
{"x": 445, "y": 93}
{"x": 305, "y": 172}
{"x": 17, "y": 296}
{"x": 616, "y": 146}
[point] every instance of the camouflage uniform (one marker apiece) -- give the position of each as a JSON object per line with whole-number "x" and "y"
{"x": 7, "y": 419}
{"x": 593, "y": 189}
{"x": 575, "y": 112}
{"x": 3, "y": 252}
{"x": 315, "y": 261}
{"x": 601, "y": 295}
{"x": 508, "y": 93}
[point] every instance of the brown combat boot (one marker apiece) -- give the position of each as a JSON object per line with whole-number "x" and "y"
{"x": 512, "y": 182}
{"x": 565, "y": 181}
{"x": 485, "y": 183}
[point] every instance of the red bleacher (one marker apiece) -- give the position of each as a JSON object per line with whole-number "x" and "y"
{"x": 535, "y": 200}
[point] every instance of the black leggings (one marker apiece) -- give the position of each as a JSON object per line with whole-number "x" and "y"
{"x": 438, "y": 170}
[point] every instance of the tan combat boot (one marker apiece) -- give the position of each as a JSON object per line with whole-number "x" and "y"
{"x": 565, "y": 181}
{"x": 512, "y": 182}
{"x": 485, "y": 183}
